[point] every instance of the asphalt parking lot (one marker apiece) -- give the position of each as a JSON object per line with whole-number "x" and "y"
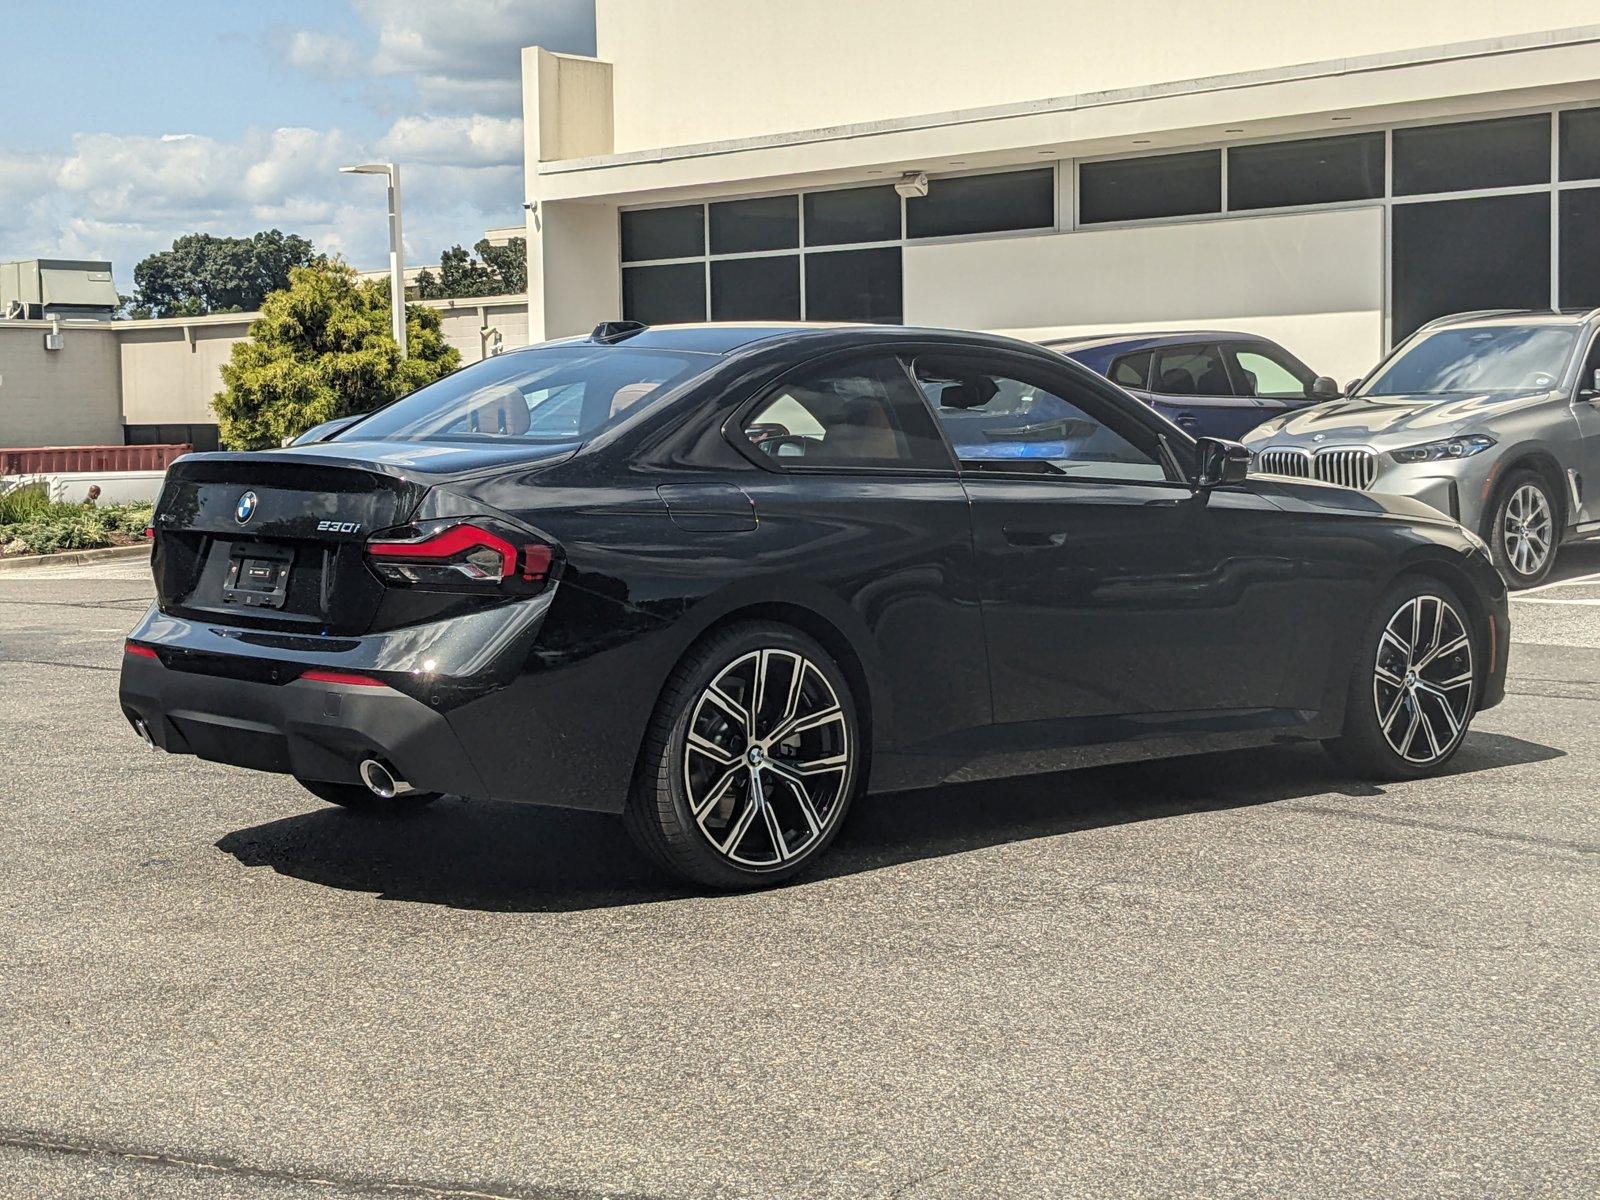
{"x": 1239, "y": 975}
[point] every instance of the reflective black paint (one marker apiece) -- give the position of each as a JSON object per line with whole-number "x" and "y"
{"x": 991, "y": 624}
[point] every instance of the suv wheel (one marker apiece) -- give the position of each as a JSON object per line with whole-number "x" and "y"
{"x": 750, "y": 761}
{"x": 1414, "y": 688}
{"x": 1523, "y": 530}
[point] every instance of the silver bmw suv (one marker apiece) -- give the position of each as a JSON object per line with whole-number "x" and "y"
{"x": 1491, "y": 417}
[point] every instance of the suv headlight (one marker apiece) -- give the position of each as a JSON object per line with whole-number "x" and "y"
{"x": 1462, "y": 447}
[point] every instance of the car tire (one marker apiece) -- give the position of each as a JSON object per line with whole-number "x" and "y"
{"x": 357, "y": 798}
{"x": 1524, "y": 529}
{"x": 721, "y": 796}
{"x": 1415, "y": 686}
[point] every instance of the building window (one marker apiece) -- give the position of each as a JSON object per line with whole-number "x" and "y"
{"x": 1580, "y": 144}
{"x": 997, "y": 203}
{"x": 852, "y": 215}
{"x": 1580, "y": 248}
{"x": 197, "y": 437}
{"x": 666, "y": 295}
{"x": 1311, "y": 171}
{"x": 1160, "y": 185}
{"x": 765, "y": 223}
{"x": 855, "y": 285}
{"x": 1454, "y": 256}
{"x": 663, "y": 233}
{"x": 1508, "y": 152}
{"x": 756, "y": 289}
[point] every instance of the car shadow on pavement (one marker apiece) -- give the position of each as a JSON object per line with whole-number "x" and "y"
{"x": 504, "y": 857}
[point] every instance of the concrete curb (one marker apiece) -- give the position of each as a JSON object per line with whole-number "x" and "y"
{"x": 75, "y": 558}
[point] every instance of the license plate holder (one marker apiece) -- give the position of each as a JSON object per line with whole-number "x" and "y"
{"x": 258, "y": 575}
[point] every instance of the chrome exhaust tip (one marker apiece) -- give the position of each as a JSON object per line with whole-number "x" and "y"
{"x": 143, "y": 731}
{"x": 381, "y": 781}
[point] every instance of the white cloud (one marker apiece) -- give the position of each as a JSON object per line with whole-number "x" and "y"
{"x": 457, "y": 64}
{"x": 475, "y": 141}
{"x": 123, "y": 197}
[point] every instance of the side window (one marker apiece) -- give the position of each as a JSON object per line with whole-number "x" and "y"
{"x": 1190, "y": 371}
{"x": 1006, "y": 417}
{"x": 1260, "y": 372}
{"x": 861, "y": 412}
{"x": 1132, "y": 371}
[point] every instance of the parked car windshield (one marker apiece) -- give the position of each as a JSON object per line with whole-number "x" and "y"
{"x": 552, "y": 394}
{"x": 1498, "y": 358}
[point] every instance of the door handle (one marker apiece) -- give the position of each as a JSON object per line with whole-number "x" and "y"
{"x": 1034, "y": 537}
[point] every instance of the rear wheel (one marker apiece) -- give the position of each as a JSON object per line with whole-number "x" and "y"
{"x": 1414, "y": 688}
{"x": 1523, "y": 532}
{"x": 357, "y": 798}
{"x": 750, "y": 761}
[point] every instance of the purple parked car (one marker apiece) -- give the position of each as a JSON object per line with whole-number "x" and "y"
{"x": 1213, "y": 384}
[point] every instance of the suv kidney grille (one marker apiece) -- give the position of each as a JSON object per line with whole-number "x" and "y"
{"x": 1346, "y": 468}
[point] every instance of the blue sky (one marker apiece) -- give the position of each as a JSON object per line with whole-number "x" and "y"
{"x": 147, "y": 119}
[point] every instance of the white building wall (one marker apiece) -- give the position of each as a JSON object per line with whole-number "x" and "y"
{"x": 688, "y": 71}
{"x": 1311, "y": 281}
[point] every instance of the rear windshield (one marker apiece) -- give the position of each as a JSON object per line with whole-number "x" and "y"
{"x": 1498, "y": 358}
{"x": 554, "y": 394}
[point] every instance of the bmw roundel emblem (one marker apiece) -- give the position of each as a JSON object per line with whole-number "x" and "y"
{"x": 245, "y": 509}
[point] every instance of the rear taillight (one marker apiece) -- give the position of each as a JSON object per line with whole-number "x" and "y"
{"x": 455, "y": 555}
{"x": 138, "y": 651}
{"x": 317, "y": 675}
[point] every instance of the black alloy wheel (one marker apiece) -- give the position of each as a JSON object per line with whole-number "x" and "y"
{"x": 1414, "y": 687}
{"x": 750, "y": 761}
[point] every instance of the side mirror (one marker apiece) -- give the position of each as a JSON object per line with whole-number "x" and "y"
{"x": 1325, "y": 387}
{"x": 1593, "y": 390}
{"x": 1220, "y": 463}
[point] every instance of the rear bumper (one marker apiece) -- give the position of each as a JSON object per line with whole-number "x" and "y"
{"x": 312, "y": 730}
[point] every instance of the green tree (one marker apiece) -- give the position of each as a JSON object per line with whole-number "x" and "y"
{"x": 205, "y": 274}
{"x": 322, "y": 349}
{"x": 502, "y": 271}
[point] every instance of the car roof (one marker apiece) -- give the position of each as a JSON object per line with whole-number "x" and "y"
{"x": 1144, "y": 341}
{"x": 1516, "y": 316}
{"x": 730, "y": 337}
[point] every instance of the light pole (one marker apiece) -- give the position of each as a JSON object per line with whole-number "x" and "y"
{"x": 397, "y": 265}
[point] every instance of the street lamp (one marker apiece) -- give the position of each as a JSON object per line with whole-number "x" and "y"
{"x": 397, "y": 268}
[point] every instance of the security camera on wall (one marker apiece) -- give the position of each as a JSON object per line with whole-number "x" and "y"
{"x": 913, "y": 184}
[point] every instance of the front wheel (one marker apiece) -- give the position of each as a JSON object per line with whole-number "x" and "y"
{"x": 1414, "y": 688}
{"x": 1522, "y": 536}
{"x": 750, "y": 761}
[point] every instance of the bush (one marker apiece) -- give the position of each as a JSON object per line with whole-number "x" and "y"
{"x": 26, "y": 503}
{"x": 322, "y": 349}
{"x": 50, "y": 528}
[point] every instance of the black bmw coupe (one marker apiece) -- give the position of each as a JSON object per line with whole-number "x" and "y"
{"x": 721, "y": 579}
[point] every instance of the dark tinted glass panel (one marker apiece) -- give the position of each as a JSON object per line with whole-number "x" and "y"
{"x": 984, "y": 204}
{"x": 854, "y": 285}
{"x": 766, "y": 223}
{"x": 1580, "y": 144}
{"x": 1460, "y": 255}
{"x": 1136, "y": 189}
{"x": 1314, "y": 171}
{"x": 1191, "y": 371}
{"x": 1580, "y": 248}
{"x": 868, "y": 214}
{"x": 756, "y": 289}
{"x": 664, "y": 295}
{"x": 663, "y": 233}
{"x": 1473, "y": 154}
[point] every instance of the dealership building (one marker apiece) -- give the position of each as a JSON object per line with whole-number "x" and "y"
{"x": 1330, "y": 176}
